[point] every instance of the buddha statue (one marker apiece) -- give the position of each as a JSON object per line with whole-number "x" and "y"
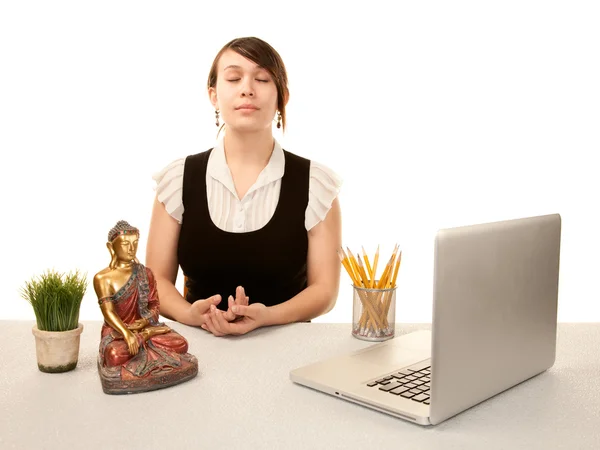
{"x": 137, "y": 352}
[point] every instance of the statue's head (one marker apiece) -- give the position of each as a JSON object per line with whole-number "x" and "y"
{"x": 123, "y": 243}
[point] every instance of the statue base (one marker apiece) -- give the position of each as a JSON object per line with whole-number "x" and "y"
{"x": 117, "y": 381}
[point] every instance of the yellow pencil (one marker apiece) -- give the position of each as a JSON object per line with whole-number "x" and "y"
{"x": 361, "y": 267}
{"x": 353, "y": 274}
{"x": 385, "y": 275}
{"x": 375, "y": 260}
{"x": 347, "y": 267}
{"x": 361, "y": 277}
{"x": 396, "y": 269}
{"x": 368, "y": 264}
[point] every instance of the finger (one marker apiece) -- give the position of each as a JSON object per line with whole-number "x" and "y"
{"x": 203, "y": 306}
{"x": 204, "y": 319}
{"x": 217, "y": 320}
{"x": 239, "y": 294}
{"x": 242, "y": 298}
{"x": 240, "y": 310}
{"x": 229, "y": 315}
{"x": 211, "y": 326}
{"x": 222, "y": 325}
{"x": 130, "y": 345}
{"x": 203, "y": 322}
{"x": 207, "y": 325}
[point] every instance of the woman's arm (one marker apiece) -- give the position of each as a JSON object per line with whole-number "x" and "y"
{"x": 161, "y": 258}
{"x": 323, "y": 267}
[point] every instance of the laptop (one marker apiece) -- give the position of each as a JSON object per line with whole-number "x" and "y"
{"x": 495, "y": 298}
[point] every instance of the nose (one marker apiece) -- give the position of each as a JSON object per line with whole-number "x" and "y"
{"x": 247, "y": 88}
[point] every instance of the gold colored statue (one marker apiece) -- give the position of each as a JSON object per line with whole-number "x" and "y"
{"x": 137, "y": 353}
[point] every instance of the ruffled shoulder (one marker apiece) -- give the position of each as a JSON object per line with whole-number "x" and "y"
{"x": 169, "y": 188}
{"x": 323, "y": 188}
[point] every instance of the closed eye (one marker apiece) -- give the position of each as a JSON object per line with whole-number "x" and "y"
{"x": 233, "y": 80}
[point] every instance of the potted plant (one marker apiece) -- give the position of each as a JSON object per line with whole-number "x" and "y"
{"x": 56, "y": 299}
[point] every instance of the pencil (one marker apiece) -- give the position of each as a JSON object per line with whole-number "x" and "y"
{"x": 369, "y": 269}
{"x": 349, "y": 268}
{"x": 375, "y": 260}
{"x": 396, "y": 269}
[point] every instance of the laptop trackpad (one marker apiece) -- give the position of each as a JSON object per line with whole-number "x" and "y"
{"x": 402, "y": 351}
{"x": 391, "y": 356}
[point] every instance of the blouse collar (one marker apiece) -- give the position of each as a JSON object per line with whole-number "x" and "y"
{"x": 218, "y": 169}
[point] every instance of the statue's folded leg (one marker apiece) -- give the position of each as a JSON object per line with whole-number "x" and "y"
{"x": 172, "y": 342}
{"x": 116, "y": 353}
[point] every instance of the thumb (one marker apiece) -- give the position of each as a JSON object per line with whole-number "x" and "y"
{"x": 204, "y": 305}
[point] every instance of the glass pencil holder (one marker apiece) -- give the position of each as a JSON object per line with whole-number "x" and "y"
{"x": 373, "y": 313}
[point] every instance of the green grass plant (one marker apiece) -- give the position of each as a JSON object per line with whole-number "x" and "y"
{"x": 56, "y": 298}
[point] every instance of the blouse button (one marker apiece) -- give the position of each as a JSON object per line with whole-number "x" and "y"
{"x": 239, "y": 221}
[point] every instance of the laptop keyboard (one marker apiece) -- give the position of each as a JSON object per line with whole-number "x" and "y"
{"x": 412, "y": 382}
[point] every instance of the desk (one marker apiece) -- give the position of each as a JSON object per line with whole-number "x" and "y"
{"x": 243, "y": 399}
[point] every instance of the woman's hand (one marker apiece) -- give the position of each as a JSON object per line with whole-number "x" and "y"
{"x": 198, "y": 310}
{"x": 252, "y": 316}
{"x": 240, "y": 300}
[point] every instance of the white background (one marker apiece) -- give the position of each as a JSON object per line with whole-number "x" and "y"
{"x": 434, "y": 114}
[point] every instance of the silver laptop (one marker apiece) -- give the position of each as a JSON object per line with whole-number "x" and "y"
{"x": 494, "y": 325}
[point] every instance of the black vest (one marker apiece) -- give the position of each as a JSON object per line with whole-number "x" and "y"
{"x": 270, "y": 263}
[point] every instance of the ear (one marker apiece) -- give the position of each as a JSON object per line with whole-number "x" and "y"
{"x": 212, "y": 95}
{"x": 286, "y": 99}
{"x": 113, "y": 255}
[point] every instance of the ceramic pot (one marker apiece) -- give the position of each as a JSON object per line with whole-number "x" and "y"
{"x": 57, "y": 351}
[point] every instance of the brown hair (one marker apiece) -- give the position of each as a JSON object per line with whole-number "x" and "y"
{"x": 261, "y": 53}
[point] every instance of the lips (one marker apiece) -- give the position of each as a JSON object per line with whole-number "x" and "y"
{"x": 247, "y": 106}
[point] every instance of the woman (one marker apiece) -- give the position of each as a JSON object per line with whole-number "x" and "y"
{"x": 246, "y": 220}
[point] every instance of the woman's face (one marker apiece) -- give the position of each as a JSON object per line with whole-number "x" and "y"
{"x": 245, "y": 94}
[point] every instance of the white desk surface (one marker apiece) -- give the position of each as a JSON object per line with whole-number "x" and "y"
{"x": 243, "y": 398}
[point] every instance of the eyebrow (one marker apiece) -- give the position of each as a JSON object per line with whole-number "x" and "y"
{"x": 233, "y": 66}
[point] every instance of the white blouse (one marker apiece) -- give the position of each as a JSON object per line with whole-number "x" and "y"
{"x": 252, "y": 212}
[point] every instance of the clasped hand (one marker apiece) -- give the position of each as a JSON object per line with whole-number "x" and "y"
{"x": 240, "y": 317}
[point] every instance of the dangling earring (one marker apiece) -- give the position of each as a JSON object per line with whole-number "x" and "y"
{"x": 278, "y": 119}
{"x": 217, "y": 117}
